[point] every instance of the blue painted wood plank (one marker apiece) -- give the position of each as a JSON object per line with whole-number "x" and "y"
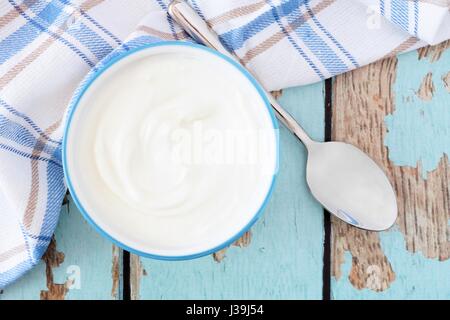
{"x": 285, "y": 256}
{"x": 85, "y": 265}
{"x": 417, "y": 277}
{"x": 417, "y": 137}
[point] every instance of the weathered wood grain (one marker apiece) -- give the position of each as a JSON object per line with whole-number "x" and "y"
{"x": 366, "y": 103}
{"x": 242, "y": 242}
{"x": 361, "y": 99}
{"x": 116, "y": 273}
{"x": 53, "y": 259}
{"x": 433, "y": 53}
{"x": 426, "y": 90}
{"x": 446, "y": 79}
{"x": 282, "y": 257}
{"x": 137, "y": 272}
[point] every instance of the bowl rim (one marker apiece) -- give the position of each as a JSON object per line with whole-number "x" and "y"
{"x": 86, "y": 84}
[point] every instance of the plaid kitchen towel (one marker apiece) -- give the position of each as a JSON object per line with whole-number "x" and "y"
{"x": 48, "y": 47}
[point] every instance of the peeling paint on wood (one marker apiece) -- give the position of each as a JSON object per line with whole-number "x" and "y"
{"x": 426, "y": 89}
{"x": 362, "y": 100}
{"x": 418, "y": 130}
{"x": 433, "y": 53}
{"x": 277, "y": 94}
{"x": 53, "y": 259}
{"x": 79, "y": 267}
{"x": 242, "y": 242}
{"x": 115, "y": 272}
{"x": 425, "y": 209}
{"x": 446, "y": 80}
{"x": 368, "y": 259}
{"x": 220, "y": 255}
{"x": 136, "y": 273}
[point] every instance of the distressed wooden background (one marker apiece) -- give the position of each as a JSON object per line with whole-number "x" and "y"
{"x": 397, "y": 110}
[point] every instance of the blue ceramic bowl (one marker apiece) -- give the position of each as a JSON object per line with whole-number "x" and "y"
{"x": 120, "y": 240}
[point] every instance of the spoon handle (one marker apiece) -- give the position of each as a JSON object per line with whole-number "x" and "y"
{"x": 198, "y": 29}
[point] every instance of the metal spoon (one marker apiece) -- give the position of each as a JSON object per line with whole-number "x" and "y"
{"x": 341, "y": 177}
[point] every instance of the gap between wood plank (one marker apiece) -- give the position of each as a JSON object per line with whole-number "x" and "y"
{"x": 126, "y": 290}
{"x": 326, "y": 289}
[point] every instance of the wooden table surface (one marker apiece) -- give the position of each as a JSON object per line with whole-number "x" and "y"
{"x": 397, "y": 110}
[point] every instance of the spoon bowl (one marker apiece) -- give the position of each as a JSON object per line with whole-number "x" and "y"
{"x": 351, "y": 185}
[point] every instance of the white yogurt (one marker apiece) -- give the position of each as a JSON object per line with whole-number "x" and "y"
{"x": 171, "y": 151}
